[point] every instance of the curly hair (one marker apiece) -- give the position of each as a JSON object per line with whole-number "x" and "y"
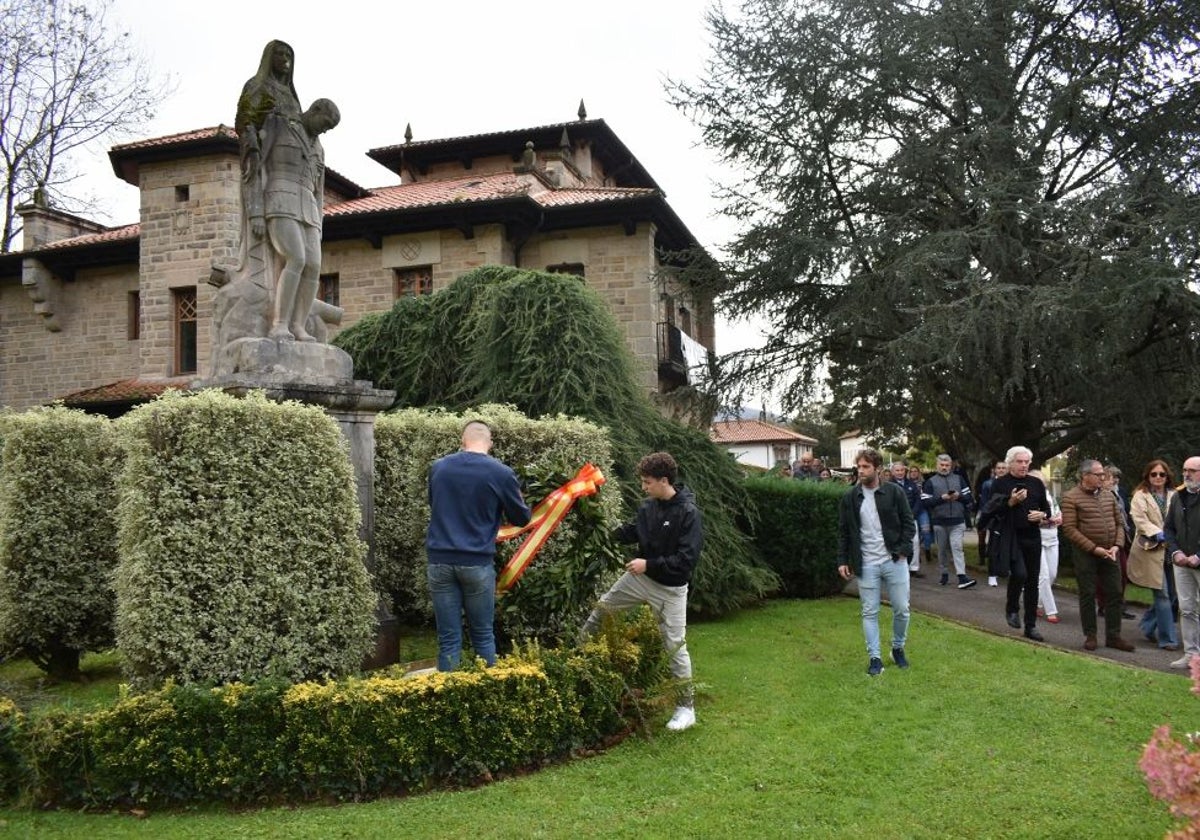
{"x": 658, "y": 465}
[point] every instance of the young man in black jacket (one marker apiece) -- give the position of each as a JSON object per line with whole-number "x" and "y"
{"x": 875, "y": 537}
{"x": 669, "y": 537}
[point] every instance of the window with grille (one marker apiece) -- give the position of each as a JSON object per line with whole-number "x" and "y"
{"x": 329, "y": 291}
{"x": 185, "y": 330}
{"x": 417, "y": 280}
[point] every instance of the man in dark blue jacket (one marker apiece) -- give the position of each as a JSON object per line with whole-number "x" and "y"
{"x": 912, "y": 491}
{"x": 469, "y": 492}
{"x": 669, "y": 536}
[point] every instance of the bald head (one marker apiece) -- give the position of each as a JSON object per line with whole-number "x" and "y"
{"x": 477, "y": 437}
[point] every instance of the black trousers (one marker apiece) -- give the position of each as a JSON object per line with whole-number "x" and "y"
{"x": 1026, "y": 567}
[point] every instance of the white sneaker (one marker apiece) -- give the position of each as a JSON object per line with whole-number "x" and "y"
{"x": 1183, "y": 661}
{"x": 684, "y": 718}
{"x": 992, "y": 581}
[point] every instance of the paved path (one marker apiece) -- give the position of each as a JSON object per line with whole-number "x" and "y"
{"x": 982, "y": 606}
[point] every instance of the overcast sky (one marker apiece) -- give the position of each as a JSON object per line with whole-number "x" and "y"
{"x": 448, "y": 69}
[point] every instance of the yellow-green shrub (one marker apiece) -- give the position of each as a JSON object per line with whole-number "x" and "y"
{"x": 351, "y": 739}
{"x": 58, "y": 541}
{"x": 239, "y": 549}
{"x": 11, "y": 763}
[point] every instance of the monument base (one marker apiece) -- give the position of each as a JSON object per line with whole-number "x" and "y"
{"x": 280, "y": 360}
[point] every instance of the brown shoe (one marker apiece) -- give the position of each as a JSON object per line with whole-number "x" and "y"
{"x": 1119, "y": 643}
{"x": 1089, "y": 643}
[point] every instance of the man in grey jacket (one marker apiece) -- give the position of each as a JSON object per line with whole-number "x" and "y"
{"x": 948, "y": 513}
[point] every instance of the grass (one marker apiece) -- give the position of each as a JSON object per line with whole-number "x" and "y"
{"x": 983, "y": 737}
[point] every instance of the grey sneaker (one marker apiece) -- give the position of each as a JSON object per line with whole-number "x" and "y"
{"x": 875, "y": 667}
{"x": 1184, "y": 661}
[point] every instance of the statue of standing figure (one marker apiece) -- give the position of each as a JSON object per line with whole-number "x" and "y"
{"x": 283, "y": 185}
{"x": 271, "y": 292}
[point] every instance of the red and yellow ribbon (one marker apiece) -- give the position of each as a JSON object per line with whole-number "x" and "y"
{"x": 546, "y": 515}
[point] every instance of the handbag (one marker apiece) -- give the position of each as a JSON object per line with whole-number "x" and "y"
{"x": 1145, "y": 567}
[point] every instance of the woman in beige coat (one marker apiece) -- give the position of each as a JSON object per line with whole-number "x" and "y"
{"x": 1148, "y": 509}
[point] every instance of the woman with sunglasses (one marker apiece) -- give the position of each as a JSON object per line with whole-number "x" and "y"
{"x": 1147, "y": 558}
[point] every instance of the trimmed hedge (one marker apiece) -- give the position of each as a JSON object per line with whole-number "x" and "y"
{"x": 353, "y": 739}
{"x": 798, "y": 531}
{"x": 239, "y": 550}
{"x": 58, "y": 539}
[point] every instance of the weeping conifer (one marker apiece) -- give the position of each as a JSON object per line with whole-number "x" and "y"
{"x": 547, "y": 344}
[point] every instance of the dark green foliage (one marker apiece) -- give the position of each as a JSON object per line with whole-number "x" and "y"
{"x": 58, "y": 536}
{"x": 798, "y": 531}
{"x": 352, "y": 739}
{"x": 239, "y": 549}
{"x": 973, "y": 220}
{"x": 547, "y": 344}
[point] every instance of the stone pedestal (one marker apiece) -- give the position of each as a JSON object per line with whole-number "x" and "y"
{"x": 353, "y": 404}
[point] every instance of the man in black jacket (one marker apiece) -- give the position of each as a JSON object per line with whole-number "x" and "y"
{"x": 875, "y": 536}
{"x": 669, "y": 537}
{"x": 1181, "y": 529}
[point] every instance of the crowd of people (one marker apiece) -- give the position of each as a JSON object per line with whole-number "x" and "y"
{"x": 1151, "y": 538}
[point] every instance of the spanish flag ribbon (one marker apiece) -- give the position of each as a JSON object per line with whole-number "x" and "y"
{"x": 546, "y": 515}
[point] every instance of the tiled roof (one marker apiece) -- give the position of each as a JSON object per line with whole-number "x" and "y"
{"x": 591, "y": 195}
{"x": 124, "y": 390}
{"x": 117, "y": 234}
{"x": 479, "y": 189}
{"x": 753, "y": 431}
{"x": 416, "y": 145}
{"x": 176, "y": 139}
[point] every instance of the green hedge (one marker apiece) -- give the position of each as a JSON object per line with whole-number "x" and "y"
{"x": 58, "y": 540}
{"x": 239, "y": 550}
{"x": 352, "y": 739}
{"x": 797, "y": 532}
{"x": 553, "y": 597}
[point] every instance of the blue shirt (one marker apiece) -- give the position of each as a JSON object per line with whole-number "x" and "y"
{"x": 469, "y": 495}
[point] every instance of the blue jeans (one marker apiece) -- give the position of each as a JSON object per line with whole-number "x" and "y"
{"x": 1158, "y": 621}
{"x": 895, "y": 576}
{"x": 459, "y": 589}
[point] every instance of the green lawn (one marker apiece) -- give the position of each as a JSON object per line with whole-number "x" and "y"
{"x": 983, "y": 737}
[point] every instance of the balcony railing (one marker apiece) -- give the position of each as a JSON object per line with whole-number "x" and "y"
{"x": 678, "y": 357}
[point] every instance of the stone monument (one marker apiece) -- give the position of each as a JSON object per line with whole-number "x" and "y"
{"x": 269, "y": 330}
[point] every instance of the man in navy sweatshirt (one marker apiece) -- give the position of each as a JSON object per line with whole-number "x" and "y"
{"x": 469, "y": 492}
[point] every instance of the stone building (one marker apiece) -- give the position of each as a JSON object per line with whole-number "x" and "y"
{"x": 105, "y": 317}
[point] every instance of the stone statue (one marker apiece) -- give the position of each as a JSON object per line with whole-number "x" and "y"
{"x": 270, "y": 294}
{"x": 293, "y": 169}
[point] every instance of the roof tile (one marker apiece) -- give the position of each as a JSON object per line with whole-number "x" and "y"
{"x": 752, "y": 431}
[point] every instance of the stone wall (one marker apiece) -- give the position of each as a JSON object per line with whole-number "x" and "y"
{"x": 92, "y": 346}
{"x": 180, "y": 239}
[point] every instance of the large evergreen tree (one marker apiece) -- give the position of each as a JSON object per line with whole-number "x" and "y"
{"x": 976, "y": 218}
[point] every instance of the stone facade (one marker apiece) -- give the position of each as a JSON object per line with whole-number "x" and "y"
{"x": 66, "y": 301}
